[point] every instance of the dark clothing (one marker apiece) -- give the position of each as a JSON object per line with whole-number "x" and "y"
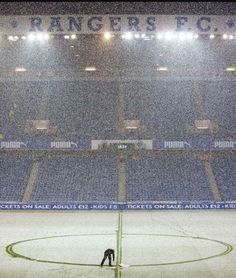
{"x": 107, "y": 254}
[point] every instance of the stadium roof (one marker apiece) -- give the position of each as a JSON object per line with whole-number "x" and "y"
{"x": 22, "y": 8}
{"x": 143, "y": 56}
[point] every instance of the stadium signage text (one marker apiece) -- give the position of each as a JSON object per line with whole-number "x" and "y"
{"x": 206, "y": 145}
{"x": 225, "y": 144}
{"x": 91, "y": 24}
{"x": 12, "y": 145}
{"x": 176, "y": 144}
{"x": 119, "y": 206}
{"x": 63, "y": 145}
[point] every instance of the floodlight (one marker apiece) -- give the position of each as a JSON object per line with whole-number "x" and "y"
{"x": 212, "y": 36}
{"x": 189, "y": 36}
{"x": 13, "y": 38}
{"x": 159, "y": 36}
{"x": 20, "y": 69}
{"x": 231, "y": 69}
{"x": 66, "y": 37}
{"x": 225, "y": 36}
{"x": 73, "y": 36}
{"x": 127, "y": 36}
{"x": 174, "y": 35}
{"x": 169, "y": 36}
{"x": 182, "y": 36}
{"x": 90, "y": 69}
{"x": 46, "y": 36}
{"x": 162, "y": 68}
{"x": 39, "y": 36}
{"x": 31, "y": 37}
{"x": 107, "y": 36}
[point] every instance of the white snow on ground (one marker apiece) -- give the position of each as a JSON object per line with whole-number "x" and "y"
{"x": 160, "y": 238}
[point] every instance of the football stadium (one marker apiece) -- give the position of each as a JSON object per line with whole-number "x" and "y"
{"x": 118, "y": 131}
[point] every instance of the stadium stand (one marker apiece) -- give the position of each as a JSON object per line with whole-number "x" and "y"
{"x": 84, "y": 109}
{"x": 170, "y": 107}
{"x": 219, "y": 98}
{"x": 68, "y": 179}
{"x": 89, "y": 109}
{"x": 167, "y": 178}
{"x": 125, "y": 86}
{"x": 14, "y": 174}
{"x": 150, "y": 177}
{"x": 224, "y": 169}
{"x": 20, "y": 103}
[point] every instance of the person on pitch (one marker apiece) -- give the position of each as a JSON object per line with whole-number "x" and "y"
{"x": 107, "y": 254}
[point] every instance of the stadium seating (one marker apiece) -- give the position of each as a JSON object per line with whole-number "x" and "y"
{"x": 224, "y": 167}
{"x": 129, "y": 85}
{"x": 84, "y": 109}
{"x": 219, "y": 98}
{"x": 150, "y": 177}
{"x": 14, "y": 174}
{"x": 68, "y": 179}
{"x": 89, "y": 109}
{"x": 167, "y": 178}
{"x": 164, "y": 108}
{"x": 19, "y": 103}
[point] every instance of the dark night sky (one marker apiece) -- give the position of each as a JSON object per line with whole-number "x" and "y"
{"x": 23, "y": 8}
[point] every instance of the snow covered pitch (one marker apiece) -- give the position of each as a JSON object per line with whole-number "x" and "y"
{"x": 148, "y": 244}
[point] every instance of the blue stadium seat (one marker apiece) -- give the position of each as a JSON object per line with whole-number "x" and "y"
{"x": 68, "y": 179}
{"x": 89, "y": 109}
{"x": 167, "y": 178}
{"x": 224, "y": 167}
{"x": 14, "y": 174}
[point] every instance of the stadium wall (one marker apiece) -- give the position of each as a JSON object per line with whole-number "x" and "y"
{"x": 116, "y": 206}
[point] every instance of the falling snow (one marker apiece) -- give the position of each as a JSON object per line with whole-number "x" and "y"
{"x": 97, "y": 120}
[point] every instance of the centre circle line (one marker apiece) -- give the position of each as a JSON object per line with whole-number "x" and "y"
{"x": 11, "y": 252}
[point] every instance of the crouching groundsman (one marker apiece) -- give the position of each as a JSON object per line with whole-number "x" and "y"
{"x": 107, "y": 254}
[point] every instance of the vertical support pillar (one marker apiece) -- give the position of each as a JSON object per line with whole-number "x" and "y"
{"x": 212, "y": 181}
{"x": 121, "y": 108}
{"x": 31, "y": 181}
{"x": 122, "y": 181}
